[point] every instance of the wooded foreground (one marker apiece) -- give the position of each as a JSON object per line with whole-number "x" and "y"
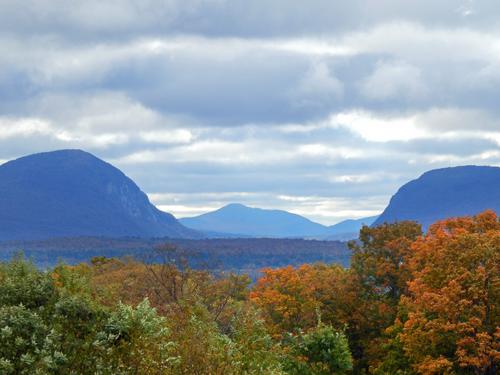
{"x": 408, "y": 304}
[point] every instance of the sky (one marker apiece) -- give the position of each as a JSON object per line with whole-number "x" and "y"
{"x": 322, "y": 108}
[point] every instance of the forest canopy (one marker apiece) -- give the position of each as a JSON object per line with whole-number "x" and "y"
{"x": 410, "y": 303}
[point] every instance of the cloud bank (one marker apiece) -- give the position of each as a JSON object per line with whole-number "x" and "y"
{"x": 323, "y": 109}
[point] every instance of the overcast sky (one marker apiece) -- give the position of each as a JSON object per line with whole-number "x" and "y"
{"x": 320, "y": 107}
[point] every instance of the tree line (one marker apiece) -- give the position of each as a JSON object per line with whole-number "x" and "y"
{"x": 410, "y": 303}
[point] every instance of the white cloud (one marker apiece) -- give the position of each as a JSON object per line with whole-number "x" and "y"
{"x": 23, "y": 127}
{"x": 493, "y": 136}
{"x": 466, "y": 9}
{"x": 457, "y": 119}
{"x": 168, "y": 136}
{"x": 329, "y": 152}
{"x": 216, "y": 151}
{"x": 331, "y": 210}
{"x": 436, "y": 123}
{"x": 394, "y": 80}
{"x": 414, "y": 42}
{"x": 313, "y": 47}
{"x": 375, "y": 128}
{"x": 318, "y": 88}
{"x": 99, "y": 111}
{"x": 355, "y": 178}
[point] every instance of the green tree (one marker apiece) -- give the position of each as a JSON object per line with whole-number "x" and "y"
{"x": 135, "y": 341}
{"x": 44, "y": 327}
{"x": 255, "y": 352}
{"x": 27, "y": 344}
{"x": 320, "y": 351}
{"x": 22, "y": 283}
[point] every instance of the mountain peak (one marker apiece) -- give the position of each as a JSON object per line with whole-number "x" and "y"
{"x": 234, "y": 206}
{"x": 67, "y": 158}
{"x": 63, "y": 153}
{"x": 74, "y": 193}
{"x": 238, "y": 219}
{"x": 445, "y": 192}
{"x": 66, "y": 151}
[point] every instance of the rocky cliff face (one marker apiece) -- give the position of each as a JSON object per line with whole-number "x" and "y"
{"x": 73, "y": 193}
{"x": 443, "y": 193}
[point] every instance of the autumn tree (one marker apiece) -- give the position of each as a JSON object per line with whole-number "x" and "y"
{"x": 291, "y": 298}
{"x": 451, "y": 318}
{"x": 379, "y": 271}
{"x": 379, "y": 259}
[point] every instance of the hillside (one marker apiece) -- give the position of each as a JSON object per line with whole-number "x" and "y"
{"x": 447, "y": 192}
{"x": 73, "y": 193}
{"x": 237, "y": 219}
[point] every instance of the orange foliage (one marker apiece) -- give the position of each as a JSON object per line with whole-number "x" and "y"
{"x": 454, "y": 302}
{"x": 379, "y": 273}
{"x": 291, "y": 298}
{"x": 428, "y": 302}
{"x": 380, "y": 259}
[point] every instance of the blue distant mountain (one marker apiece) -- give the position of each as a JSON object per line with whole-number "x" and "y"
{"x": 443, "y": 193}
{"x": 73, "y": 193}
{"x": 348, "y": 229}
{"x": 238, "y": 220}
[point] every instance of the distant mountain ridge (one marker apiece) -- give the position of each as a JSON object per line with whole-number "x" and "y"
{"x": 73, "y": 193}
{"x": 239, "y": 220}
{"x": 443, "y": 193}
{"x": 348, "y": 229}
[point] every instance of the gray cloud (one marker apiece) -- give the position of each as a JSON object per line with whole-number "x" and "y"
{"x": 124, "y": 18}
{"x": 323, "y": 108}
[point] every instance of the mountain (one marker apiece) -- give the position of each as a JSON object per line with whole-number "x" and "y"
{"x": 237, "y": 219}
{"x": 348, "y": 229}
{"x": 73, "y": 193}
{"x": 447, "y": 192}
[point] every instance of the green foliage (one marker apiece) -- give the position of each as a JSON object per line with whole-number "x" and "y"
{"x": 395, "y": 361}
{"x": 22, "y": 283}
{"x": 255, "y": 352}
{"x": 44, "y": 330}
{"x": 24, "y": 341}
{"x": 77, "y": 321}
{"x": 203, "y": 348}
{"x": 321, "y": 351}
{"x": 134, "y": 340}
